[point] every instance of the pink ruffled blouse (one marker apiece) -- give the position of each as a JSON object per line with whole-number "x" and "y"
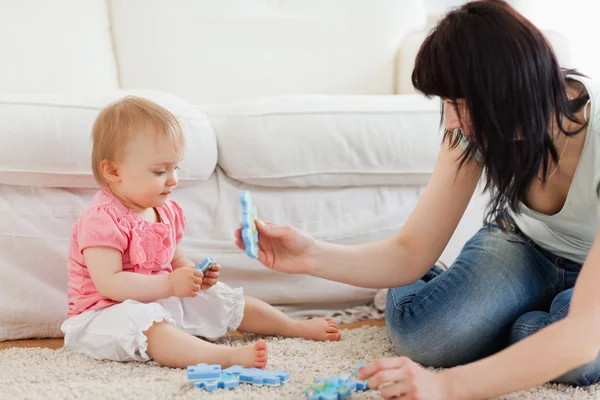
{"x": 146, "y": 247}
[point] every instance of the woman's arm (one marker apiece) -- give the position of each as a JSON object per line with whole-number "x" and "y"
{"x": 106, "y": 269}
{"x": 566, "y": 344}
{"x": 406, "y": 257}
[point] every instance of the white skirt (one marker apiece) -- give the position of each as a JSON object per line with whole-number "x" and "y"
{"x": 116, "y": 332}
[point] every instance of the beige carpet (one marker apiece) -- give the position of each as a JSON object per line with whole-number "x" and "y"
{"x": 60, "y": 374}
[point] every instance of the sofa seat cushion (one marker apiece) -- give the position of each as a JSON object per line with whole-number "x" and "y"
{"x": 331, "y": 141}
{"x": 46, "y": 138}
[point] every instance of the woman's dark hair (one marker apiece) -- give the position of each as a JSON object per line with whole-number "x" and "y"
{"x": 514, "y": 89}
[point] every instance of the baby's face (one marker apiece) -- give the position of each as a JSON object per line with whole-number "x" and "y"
{"x": 149, "y": 169}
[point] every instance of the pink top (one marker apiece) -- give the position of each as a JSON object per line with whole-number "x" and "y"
{"x": 146, "y": 247}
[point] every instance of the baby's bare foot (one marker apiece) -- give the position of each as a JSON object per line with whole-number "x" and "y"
{"x": 252, "y": 356}
{"x": 317, "y": 329}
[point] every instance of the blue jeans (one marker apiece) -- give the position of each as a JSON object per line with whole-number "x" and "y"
{"x": 501, "y": 288}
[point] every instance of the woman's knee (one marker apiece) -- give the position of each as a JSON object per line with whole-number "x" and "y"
{"x": 440, "y": 338}
{"x": 531, "y": 322}
{"x": 585, "y": 375}
{"x": 466, "y": 312}
{"x": 528, "y": 324}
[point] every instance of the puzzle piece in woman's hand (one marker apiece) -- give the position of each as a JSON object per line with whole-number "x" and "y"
{"x": 336, "y": 387}
{"x": 249, "y": 230}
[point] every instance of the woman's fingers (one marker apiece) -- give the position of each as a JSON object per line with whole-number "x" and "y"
{"x": 397, "y": 390}
{"x": 389, "y": 376}
{"x": 381, "y": 364}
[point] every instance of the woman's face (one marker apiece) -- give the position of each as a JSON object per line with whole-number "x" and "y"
{"x": 452, "y": 120}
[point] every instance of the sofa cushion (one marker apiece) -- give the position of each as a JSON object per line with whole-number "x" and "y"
{"x": 328, "y": 141}
{"x": 46, "y": 138}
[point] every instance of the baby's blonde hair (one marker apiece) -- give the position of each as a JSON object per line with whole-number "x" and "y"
{"x": 116, "y": 124}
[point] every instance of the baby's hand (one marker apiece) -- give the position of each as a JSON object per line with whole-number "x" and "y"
{"x": 211, "y": 276}
{"x": 185, "y": 282}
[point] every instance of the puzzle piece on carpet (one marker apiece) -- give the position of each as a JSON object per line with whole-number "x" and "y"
{"x": 249, "y": 230}
{"x": 259, "y": 377}
{"x": 203, "y": 372}
{"x": 226, "y": 381}
{"x": 336, "y": 387}
{"x": 206, "y": 265}
{"x": 210, "y": 377}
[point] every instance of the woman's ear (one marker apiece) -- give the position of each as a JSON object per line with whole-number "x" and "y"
{"x": 110, "y": 171}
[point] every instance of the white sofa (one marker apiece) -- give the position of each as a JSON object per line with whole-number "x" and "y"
{"x": 303, "y": 102}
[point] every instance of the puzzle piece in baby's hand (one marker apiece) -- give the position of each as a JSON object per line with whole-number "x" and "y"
{"x": 259, "y": 377}
{"x": 226, "y": 381}
{"x": 249, "y": 230}
{"x": 206, "y": 265}
{"x": 203, "y": 372}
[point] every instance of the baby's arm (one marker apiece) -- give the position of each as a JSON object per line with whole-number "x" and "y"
{"x": 106, "y": 269}
{"x": 180, "y": 260}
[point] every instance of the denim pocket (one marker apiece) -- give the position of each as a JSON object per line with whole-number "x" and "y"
{"x": 511, "y": 231}
{"x": 516, "y": 237}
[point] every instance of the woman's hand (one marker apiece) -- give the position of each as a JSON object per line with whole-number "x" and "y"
{"x": 211, "y": 276}
{"x": 282, "y": 248}
{"x": 402, "y": 378}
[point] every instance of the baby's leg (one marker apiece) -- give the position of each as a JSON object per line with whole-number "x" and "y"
{"x": 264, "y": 319}
{"x": 172, "y": 347}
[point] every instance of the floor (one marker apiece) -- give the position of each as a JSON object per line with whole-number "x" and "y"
{"x": 58, "y": 343}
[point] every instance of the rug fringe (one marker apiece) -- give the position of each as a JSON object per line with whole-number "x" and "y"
{"x": 373, "y": 310}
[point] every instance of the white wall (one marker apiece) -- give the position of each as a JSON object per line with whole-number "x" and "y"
{"x": 577, "y": 20}
{"x": 439, "y": 6}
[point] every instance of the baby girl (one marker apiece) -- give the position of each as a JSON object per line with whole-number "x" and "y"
{"x": 133, "y": 294}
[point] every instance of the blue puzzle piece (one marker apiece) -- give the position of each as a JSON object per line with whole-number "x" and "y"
{"x": 259, "y": 377}
{"x": 249, "y": 230}
{"x": 226, "y": 381}
{"x": 336, "y": 387}
{"x": 203, "y": 372}
{"x": 360, "y": 385}
{"x": 206, "y": 264}
{"x": 211, "y": 377}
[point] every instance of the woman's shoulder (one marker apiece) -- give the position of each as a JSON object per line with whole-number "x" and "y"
{"x": 591, "y": 86}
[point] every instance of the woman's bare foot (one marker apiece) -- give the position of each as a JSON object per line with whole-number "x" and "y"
{"x": 252, "y": 356}
{"x": 316, "y": 329}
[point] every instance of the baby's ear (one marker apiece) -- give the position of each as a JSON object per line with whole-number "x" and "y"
{"x": 110, "y": 171}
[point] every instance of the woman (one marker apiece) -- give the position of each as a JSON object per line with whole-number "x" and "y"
{"x": 497, "y": 319}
